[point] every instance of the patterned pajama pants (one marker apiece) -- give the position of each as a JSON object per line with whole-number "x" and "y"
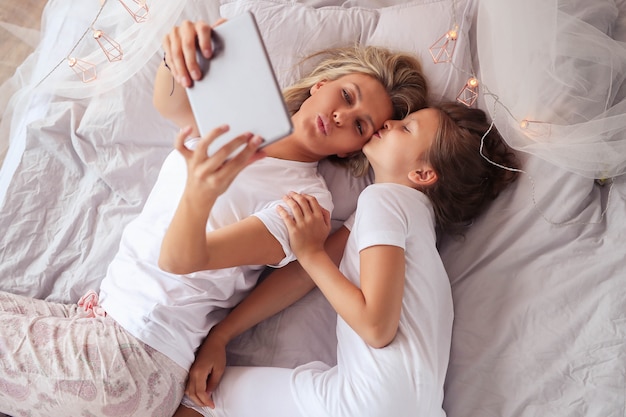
{"x": 56, "y": 361}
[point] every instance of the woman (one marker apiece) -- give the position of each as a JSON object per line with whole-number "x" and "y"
{"x": 129, "y": 353}
{"x": 391, "y": 292}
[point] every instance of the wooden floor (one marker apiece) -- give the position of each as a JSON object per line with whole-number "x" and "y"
{"x": 22, "y": 13}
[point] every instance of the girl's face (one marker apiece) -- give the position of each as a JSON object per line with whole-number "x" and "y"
{"x": 341, "y": 115}
{"x": 397, "y": 152}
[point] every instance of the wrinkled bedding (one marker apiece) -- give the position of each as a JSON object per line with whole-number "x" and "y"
{"x": 539, "y": 281}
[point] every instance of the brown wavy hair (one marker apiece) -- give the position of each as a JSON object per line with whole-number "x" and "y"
{"x": 466, "y": 181}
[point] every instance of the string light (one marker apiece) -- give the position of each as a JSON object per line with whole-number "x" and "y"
{"x": 86, "y": 71}
{"x": 443, "y": 49}
{"x": 534, "y": 128}
{"x": 111, "y": 49}
{"x": 469, "y": 93}
{"x": 140, "y": 15}
{"x": 601, "y": 182}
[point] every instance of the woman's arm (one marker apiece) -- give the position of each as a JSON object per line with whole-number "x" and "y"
{"x": 186, "y": 246}
{"x": 373, "y": 310}
{"x": 281, "y": 288}
{"x": 170, "y": 100}
{"x": 277, "y": 291}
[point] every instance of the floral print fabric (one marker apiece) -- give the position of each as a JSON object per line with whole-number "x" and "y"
{"x": 64, "y": 360}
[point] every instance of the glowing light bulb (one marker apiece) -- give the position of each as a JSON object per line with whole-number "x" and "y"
{"x": 443, "y": 49}
{"x": 469, "y": 93}
{"x": 472, "y": 82}
{"x": 535, "y": 128}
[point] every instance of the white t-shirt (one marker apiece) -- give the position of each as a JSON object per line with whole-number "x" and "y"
{"x": 406, "y": 377}
{"x": 173, "y": 313}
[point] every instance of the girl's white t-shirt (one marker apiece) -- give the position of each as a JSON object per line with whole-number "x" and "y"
{"x": 406, "y": 377}
{"x": 173, "y": 313}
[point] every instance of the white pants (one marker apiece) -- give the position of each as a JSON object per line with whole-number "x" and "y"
{"x": 252, "y": 391}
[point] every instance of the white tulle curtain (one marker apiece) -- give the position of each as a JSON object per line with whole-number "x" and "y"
{"x": 557, "y": 80}
{"x": 138, "y": 42}
{"x": 67, "y": 32}
{"x": 551, "y": 74}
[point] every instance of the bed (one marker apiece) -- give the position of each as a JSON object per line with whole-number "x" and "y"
{"x": 538, "y": 281}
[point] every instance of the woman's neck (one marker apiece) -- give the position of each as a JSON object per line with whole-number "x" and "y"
{"x": 288, "y": 148}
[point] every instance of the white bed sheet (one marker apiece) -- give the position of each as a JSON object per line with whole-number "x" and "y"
{"x": 540, "y": 308}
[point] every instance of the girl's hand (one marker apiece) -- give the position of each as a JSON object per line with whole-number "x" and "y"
{"x": 308, "y": 226}
{"x": 206, "y": 371}
{"x": 210, "y": 176}
{"x": 180, "y": 49}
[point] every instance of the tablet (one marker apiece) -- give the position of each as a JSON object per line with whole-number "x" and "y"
{"x": 239, "y": 87}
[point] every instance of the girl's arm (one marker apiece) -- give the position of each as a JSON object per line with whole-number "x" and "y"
{"x": 373, "y": 310}
{"x": 276, "y": 292}
{"x": 186, "y": 246}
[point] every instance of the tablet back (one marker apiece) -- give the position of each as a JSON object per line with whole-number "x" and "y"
{"x": 239, "y": 86}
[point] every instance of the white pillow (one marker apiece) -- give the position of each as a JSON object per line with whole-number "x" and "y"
{"x": 292, "y": 31}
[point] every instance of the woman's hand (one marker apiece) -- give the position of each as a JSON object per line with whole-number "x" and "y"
{"x": 206, "y": 371}
{"x": 308, "y": 225}
{"x": 184, "y": 248}
{"x": 180, "y": 46}
{"x": 209, "y": 176}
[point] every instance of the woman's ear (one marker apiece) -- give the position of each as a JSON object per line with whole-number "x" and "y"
{"x": 423, "y": 177}
{"x": 317, "y": 86}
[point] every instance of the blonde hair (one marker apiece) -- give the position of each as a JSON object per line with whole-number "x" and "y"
{"x": 399, "y": 73}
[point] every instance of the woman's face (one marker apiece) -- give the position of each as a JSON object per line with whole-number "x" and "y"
{"x": 400, "y": 147}
{"x": 342, "y": 114}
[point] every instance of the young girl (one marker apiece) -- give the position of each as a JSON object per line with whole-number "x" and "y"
{"x": 391, "y": 291}
{"x": 128, "y": 355}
